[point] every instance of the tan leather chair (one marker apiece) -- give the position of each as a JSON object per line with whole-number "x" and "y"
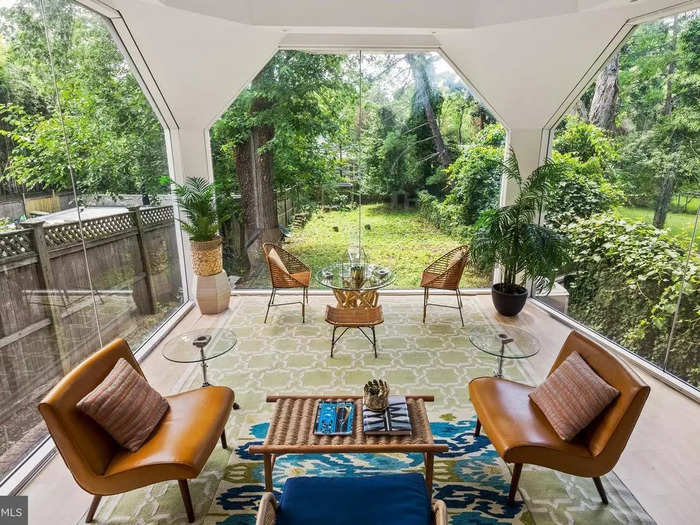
{"x": 286, "y": 271}
{"x": 521, "y": 434}
{"x": 178, "y": 448}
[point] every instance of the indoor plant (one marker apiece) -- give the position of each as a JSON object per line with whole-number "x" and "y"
{"x": 196, "y": 199}
{"x": 510, "y": 237}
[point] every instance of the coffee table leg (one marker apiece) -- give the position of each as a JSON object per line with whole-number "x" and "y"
{"x": 428, "y": 458}
{"x": 268, "y": 472}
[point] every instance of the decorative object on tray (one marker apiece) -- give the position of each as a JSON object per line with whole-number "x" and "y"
{"x": 334, "y": 418}
{"x": 392, "y": 421}
{"x": 376, "y": 395}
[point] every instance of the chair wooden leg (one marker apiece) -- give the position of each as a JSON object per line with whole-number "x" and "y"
{"x": 93, "y": 508}
{"x": 514, "y": 483}
{"x": 303, "y": 311}
{"x": 269, "y": 303}
{"x": 333, "y": 340}
{"x": 223, "y": 439}
{"x": 459, "y": 305}
{"x": 477, "y": 428}
{"x": 186, "y": 499}
{"x": 601, "y": 490}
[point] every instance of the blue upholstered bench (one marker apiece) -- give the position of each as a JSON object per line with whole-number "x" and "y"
{"x": 392, "y": 499}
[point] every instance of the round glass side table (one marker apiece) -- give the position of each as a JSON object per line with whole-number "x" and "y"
{"x": 200, "y": 346}
{"x": 504, "y": 342}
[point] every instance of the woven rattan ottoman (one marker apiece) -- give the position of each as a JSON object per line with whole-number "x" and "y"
{"x": 291, "y": 432}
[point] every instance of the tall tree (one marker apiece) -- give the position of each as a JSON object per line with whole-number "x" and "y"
{"x": 281, "y": 131}
{"x": 668, "y": 178}
{"x": 420, "y": 67}
{"x": 604, "y": 104}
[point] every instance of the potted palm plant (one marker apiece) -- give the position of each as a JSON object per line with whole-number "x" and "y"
{"x": 196, "y": 199}
{"x": 509, "y": 237}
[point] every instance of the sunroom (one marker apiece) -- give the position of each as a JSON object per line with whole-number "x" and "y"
{"x": 233, "y": 233}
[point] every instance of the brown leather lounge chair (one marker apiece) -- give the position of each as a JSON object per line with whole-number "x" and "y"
{"x": 521, "y": 434}
{"x": 178, "y": 448}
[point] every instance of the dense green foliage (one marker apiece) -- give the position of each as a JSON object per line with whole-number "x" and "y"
{"x": 116, "y": 143}
{"x": 625, "y": 284}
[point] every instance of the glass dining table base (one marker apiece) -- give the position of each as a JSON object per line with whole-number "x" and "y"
{"x": 356, "y": 298}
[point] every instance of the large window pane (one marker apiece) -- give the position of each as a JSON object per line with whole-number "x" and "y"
{"x": 629, "y": 201}
{"x": 89, "y": 252}
{"x": 317, "y": 137}
{"x": 47, "y": 317}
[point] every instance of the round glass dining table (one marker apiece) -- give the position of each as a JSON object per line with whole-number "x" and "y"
{"x": 504, "y": 342}
{"x": 355, "y": 285}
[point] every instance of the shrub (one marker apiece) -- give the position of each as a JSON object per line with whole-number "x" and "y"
{"x": 581, "y": 192}
{"x": 475, "y": 181}
{"x": 585, "y": 141}
{"x": 625, "y": 281}
{"x": 443, "y": 216}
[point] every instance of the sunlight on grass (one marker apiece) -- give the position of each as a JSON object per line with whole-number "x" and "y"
{"x": 679, "y": 225}
{"x": 399, "y": 239}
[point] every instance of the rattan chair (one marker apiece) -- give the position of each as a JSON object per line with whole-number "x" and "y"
{"x": 354, "y": 318}
{"x": 445, "y": 274}
{"x": 286, "y": 271}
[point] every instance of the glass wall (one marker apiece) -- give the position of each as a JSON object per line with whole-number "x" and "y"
{"x": 629, "y": 203}
{"x": 87, "y": 244}
{"x": 392, "y": 151}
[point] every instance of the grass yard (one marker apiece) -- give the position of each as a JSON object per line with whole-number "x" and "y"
{"x": 400, "y": 239}
{"x": 679, "y": 225}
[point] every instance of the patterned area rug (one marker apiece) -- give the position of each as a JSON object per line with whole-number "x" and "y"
{"x": 286, "y": 356}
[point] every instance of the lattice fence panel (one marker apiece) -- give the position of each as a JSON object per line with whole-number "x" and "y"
{"x": 162, "y": 214}
{"x": 16, "y": 243}
{"x": 67, "y": 234}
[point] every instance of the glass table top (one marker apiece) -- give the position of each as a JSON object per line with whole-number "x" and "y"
{"x": 506, "y": 341}
{"x": 355, "y": 276}
{"x": 182, "y": 349}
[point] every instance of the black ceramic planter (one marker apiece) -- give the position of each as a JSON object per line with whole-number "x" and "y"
{"x": 508, "y": 304}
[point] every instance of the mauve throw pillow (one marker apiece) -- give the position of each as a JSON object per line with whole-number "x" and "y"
{"x": 573, "y": 396}
{"x": 125, "y": 405}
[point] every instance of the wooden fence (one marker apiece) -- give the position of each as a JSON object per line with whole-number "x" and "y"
{"x": 48, "y": 308}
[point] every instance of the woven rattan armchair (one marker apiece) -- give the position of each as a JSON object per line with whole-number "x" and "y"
{"x": 445, "y": 274}
{"x": 267, "y": 511}
{"x": 286, "y": 271}
{"x": 354, "y": 318}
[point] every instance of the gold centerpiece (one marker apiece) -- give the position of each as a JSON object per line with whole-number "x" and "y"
{"x": 376, "y": 395}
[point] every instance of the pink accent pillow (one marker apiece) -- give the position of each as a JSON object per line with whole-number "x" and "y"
{"x": 125, "y": 405}
{"x": 573, "y": 396}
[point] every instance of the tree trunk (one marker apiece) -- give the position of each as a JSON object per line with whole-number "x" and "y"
{"x": 668, "y": 181}
{"x": 604, "y": 103}
{"x": 256, "y": 179}
{"x": 265, "y": 175}
{"x": 664, "y": 200}
{"x": 422, "y": 87}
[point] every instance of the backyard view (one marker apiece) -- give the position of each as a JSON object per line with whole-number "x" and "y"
{"x": 404, "y": 131}
{"x": 90, "y": 241}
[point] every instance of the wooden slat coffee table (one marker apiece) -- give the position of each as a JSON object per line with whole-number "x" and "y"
{"x": 291, "y": 432}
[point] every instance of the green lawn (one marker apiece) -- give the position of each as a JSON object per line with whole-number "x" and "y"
{"x": 399, "y": 239}
{"x": 679, "y": 225}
